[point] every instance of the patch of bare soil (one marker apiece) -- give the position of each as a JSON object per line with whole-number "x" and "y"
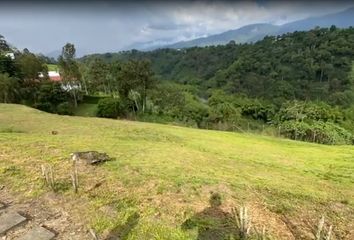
{"x": 261, "y": 216}
{"x": 304, "y": 224}
{"x": 46, "y": 211}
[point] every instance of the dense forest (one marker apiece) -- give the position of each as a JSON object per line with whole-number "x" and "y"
{"x": 299, "y": 85}
{"x": 311, "y": 65}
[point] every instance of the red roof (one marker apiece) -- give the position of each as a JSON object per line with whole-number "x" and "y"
{"x": 55, "y": 78}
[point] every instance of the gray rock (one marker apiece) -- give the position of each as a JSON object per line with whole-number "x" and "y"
{"x": 9, "y": 220}
{"x": 90, "y": 157}
{"x": 38, "y": 233}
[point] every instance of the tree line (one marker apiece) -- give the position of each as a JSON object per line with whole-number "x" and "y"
{"x": 304, "y": 65}
{"x": 298, "y": 85}
{"x": 25, "y": 80}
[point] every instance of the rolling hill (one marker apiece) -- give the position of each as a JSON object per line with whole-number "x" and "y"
{"x": 163, "y": 175}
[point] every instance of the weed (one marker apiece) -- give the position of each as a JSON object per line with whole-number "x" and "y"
{"x": 322, "y": 232}
{"x": 242, "y": 221}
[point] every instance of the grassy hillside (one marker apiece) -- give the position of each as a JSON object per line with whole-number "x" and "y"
{"x": 163, "y": 175}
{"x": 52, "y": 67}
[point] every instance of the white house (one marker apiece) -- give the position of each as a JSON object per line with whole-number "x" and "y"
{"x": 10, "y": 55}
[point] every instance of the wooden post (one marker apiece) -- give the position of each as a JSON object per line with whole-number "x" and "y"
{"x": 48, "y": 176}
{"x": 51, "y": 178}
{"x": 75, "y": 178}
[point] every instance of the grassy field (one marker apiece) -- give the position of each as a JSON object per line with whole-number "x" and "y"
{"x": 52, "y": 67}
{"x": 162, "y": 175}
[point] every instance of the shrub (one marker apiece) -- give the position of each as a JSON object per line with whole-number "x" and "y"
{"x": 295, "y": 130}
{"x": 258, "y": 110}
{"x": 194, "y": 110}
{"x": 53, "y": 93}
{"x": 44, "y": 106}
{"x": 92, "y": 99}
{"x": 330, "y": 133}
{"x": 64, "y": 108}
{"x": 309, "y": 111}
{"x": 109, "y": 108}
{"x": 317, "y": 131}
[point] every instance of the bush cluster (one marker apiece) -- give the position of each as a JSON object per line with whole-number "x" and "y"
{"x": 317, "y": 131}
{"x": 109, "y": 108}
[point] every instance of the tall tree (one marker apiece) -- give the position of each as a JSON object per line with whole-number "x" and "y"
{"x": 84, "y": 71}
{"x": 114, "y": 75}
{"x": 69, "y": 71}
{"x": 8, "y": 88}
{"x": 3, "y": 44}
{"x": 7, "y": 65}
{"x": 98, "y": 76}
{"x": 138, "y": 76}
{"x": 30, "y": 66}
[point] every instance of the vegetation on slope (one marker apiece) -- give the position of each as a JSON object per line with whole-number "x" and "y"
{"x": 165, "y": 174}
{"x": 299, "y": 85}
{"x": 311, "y": 65}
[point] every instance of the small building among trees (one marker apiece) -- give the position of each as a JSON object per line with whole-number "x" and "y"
{"x": 53, "y": 76}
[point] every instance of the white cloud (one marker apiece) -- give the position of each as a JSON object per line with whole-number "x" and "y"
{"x": 108, "y": 26}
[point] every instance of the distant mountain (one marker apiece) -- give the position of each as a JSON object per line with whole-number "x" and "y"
{"x": 241, "y": 35}
{"x": 342, "y": 19}
{"x": 255, "y": 32}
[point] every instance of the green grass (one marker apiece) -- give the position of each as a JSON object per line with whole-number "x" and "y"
{"x": 52, "y": 67}
{"x": 166, "y": 173}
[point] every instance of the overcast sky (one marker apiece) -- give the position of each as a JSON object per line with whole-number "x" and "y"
{"x": 106, "y": 26}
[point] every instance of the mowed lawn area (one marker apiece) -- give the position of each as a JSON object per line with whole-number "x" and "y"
{"x": 161, "y": 175}
{"x": 52, "y": 67}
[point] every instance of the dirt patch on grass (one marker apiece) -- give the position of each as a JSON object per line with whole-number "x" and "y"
{"x": 46, "y": 211}
{"x": 263, "y": 217}
{"x": 260, "y": 215}
{"x": 183, "y": 205}
{"x": 304, "y": 224}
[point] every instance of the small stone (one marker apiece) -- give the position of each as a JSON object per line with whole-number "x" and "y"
{"x": 38, "y": 233}
{"x": 10, "y": 220}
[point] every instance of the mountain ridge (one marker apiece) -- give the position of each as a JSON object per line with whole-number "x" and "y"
{"x": 246, "y": 33}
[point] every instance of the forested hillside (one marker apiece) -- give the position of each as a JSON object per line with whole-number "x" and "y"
{"x": 298, "y": 85}
{"x": 313, "y": 65}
